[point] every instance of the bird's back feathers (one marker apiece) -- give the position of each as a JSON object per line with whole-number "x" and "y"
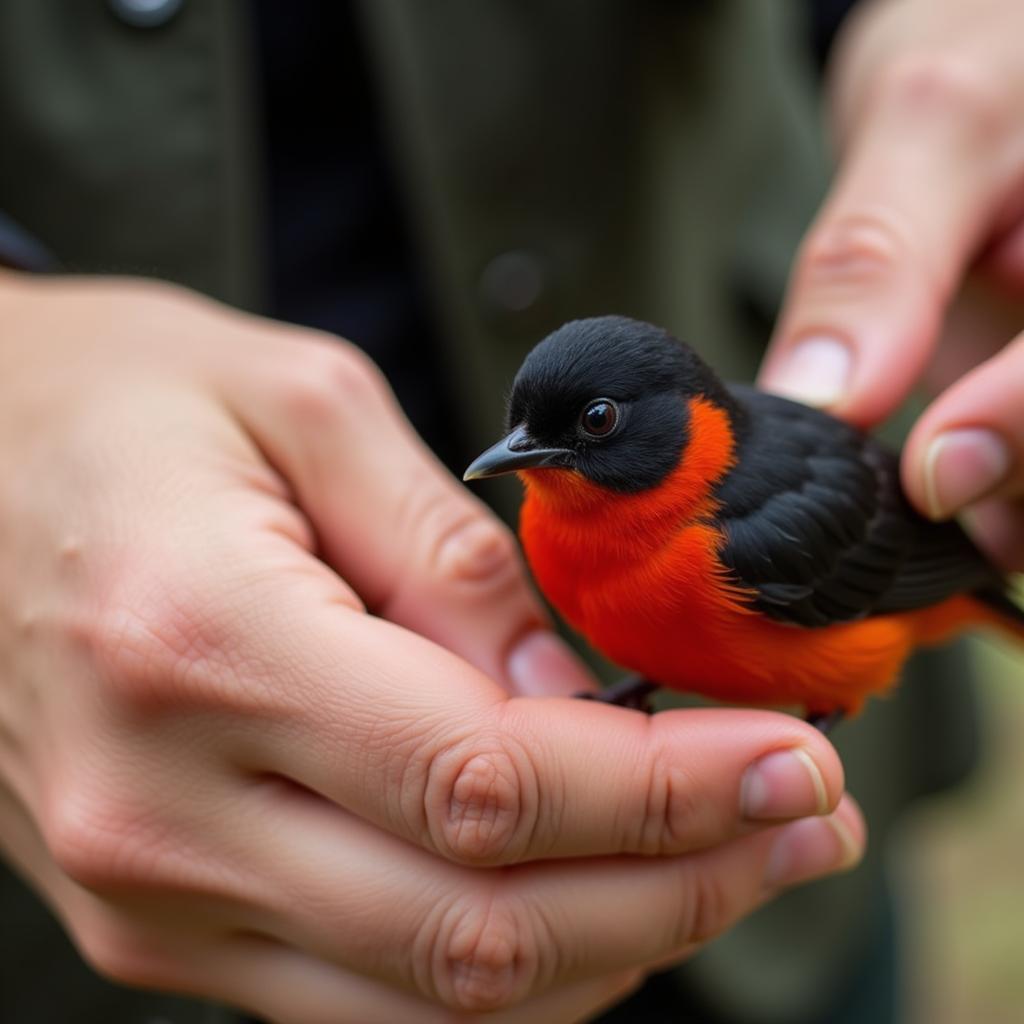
{"x": 723, "y": 540}
{"x": 817, "y": 526}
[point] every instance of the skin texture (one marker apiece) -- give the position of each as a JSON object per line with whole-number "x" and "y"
{"x": 912, "y": 272}
{"x": 228, "y": 778}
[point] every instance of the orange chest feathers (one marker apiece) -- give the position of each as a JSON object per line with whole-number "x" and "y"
{"x": 639, "y": 576}
{"x": 636, "y": 571}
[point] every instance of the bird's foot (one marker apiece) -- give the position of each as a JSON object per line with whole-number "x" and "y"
{"x": 825, "y": 723}
{"x": 632, "y": 692}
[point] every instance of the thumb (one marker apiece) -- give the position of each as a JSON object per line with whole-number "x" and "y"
{"x": 969, "y": 444}
{"x": 416, "y": 546}
{"x": 918, "y": 187}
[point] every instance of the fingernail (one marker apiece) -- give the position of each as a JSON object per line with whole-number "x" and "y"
{"x": 783, "y": 784}
{"x": 810, "y": 848}
{"x": 961, "y": 466}
{"x": 543, "y": 665}
{"x": 815, "y": 372}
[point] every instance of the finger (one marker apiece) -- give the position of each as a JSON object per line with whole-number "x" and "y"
{"x": 415, "y": 544}
{"x": 969, "y": 444}
{"x": 921, "y": 181}
{"x": 1004, "y": 262}
{"x": 287, "y": 986}
{"x": 479, "y": 941}
{"x": 978, "y": 324}
{"x": 997, "y": 527}
{"x": 420, "y": 743}
{"x": 287, "y": 677}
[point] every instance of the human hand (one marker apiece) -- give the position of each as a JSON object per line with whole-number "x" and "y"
{"x": 227, "y": 778}
{"x": 928, "y": 112}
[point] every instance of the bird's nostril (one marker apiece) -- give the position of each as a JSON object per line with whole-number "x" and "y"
{"x": 519, "y": 440}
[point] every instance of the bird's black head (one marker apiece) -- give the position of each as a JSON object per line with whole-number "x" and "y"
{"x": 607, "y": 397}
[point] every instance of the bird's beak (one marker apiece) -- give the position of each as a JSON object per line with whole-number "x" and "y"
{"x": 515, "y": 452}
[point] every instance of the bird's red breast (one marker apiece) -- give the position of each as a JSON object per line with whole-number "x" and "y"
{"x": 640, "y": 576}
{"x": 723, "y": 540}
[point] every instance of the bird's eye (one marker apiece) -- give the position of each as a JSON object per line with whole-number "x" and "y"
{"x": 599, "y": 417}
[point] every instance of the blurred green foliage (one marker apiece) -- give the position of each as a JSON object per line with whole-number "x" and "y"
{"x": 959, "y": 871}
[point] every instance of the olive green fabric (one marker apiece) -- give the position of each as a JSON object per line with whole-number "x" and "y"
{"x": 645, "y": 157}
{"x": 132, "y": 150}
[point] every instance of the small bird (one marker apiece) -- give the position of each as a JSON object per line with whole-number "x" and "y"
{"x": 721, "y": 540}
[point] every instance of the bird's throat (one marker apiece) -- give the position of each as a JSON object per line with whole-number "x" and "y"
{"x": 577, "y": 522}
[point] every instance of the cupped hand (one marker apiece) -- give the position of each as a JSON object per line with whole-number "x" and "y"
{"x": 263, "y": 735}
{"x": 913, "y": 272}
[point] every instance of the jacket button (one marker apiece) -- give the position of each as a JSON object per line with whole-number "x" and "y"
{"x": 145, "y": 13}
{"x": 513, "y": 282}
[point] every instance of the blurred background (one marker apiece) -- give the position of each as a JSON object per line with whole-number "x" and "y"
{"x": 957, "y": 868}
{"x": 707, "y": 179}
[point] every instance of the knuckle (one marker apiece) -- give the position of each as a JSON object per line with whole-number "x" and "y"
{"x": 329, "y": 379}
{"x": 945, "y": 87}
{"x": 91, "y": 838}
{"x": 709, "y": 907}
{"x": 106, "y": 834}
{"x": 484, "y": 956}
{"x": 144, "y": 652}
{"x": 171, "y": 642}
{"x": 481, "y": 804}
{"x": 456, "y": 550}
{"x": 859, "y": 249}
{"x": 675, "y": 816}
{"x": 477, "y": 550}
{"x": 119, "y": 951}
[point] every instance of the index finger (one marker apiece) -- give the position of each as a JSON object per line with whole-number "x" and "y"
{"x": 406, "y": 735}
{"x": 923, "y": 179}
{"x": 413, "y": 542}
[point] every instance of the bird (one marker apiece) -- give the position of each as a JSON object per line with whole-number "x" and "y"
{"x": 720, "y": 540}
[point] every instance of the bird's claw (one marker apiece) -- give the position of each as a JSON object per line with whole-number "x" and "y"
{"x": 825, "y": 723}
{"x": 633, "y": 692}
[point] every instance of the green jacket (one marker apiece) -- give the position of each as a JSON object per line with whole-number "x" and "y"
{"x": 644, "y": 157}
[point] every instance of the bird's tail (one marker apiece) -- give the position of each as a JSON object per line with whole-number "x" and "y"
{"x": 1004, "y": 608}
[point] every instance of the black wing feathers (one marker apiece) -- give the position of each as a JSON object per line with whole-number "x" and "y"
{"x": 817, "y": 525}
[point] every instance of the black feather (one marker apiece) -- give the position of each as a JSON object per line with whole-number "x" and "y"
{"x": 1001, "y": 602}
{"x": 816, "y": 524}
{"x": 818, "y": 527}
{"x": 640, "y": 367}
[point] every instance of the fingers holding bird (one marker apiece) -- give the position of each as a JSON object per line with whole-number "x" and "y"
{"x": 328, "y": 721}
{"x": 444, "y": 759}
{"x": 927, "y": 101}
{"x": 923, "y": 223}
{"x": 419, "y": 549}
{"x": 479, "y": 941}
{"x": 969, "y": 447}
